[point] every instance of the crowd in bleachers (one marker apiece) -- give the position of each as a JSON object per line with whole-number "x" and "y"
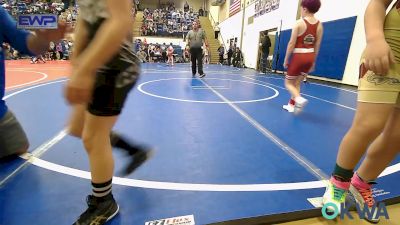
{"x": 168, "y": 21}
{"x": 65, "y": 13}
{"x": 155, "y": 52}
{"x": 57, "y": 51}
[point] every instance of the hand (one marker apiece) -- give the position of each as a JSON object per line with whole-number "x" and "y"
{"x": 378, "y": 56}
{"x": 39, "y": 42}
{"x": 79, "y": 88}
{"x": 53, "y": 34}
{"x": 285, "y": 64}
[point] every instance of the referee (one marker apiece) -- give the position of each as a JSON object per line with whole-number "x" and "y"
{"x": 195, "y": 39}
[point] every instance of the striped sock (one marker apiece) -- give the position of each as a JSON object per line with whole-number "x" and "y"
{"x": 101, "y": 190}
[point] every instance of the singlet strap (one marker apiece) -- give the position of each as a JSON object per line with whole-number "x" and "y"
{"x": 311, "y": 24}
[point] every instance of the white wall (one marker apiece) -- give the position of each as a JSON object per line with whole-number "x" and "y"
{"x": 286, "y": 12}
{"x": 231, "y": 27}
{"x": 214, "y": 12}
{"x": 351, "y": 73}
{"x": 219, "y": 13}
{"x": 337, "y": 9}
{"x": 330, "y": 10}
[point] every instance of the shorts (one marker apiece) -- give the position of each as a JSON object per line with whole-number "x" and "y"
{"x": 115, "y": 79}
{"x": 113, "y": 83}
{"x": 375, "y": 88}
{"x": 299, "y": 64}
{"x": 13, "y": 139}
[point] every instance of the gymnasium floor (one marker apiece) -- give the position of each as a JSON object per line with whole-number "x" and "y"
{"x": 225, "y": 148}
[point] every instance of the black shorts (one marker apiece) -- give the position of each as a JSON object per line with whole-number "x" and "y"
{"x": 113, "y": 83}
{"x": 114, "y": 80}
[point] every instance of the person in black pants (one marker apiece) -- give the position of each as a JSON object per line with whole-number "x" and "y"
{"x": 265, "y": 46}
{"x": 195, "y": 39}
{"x": 216, "y": 30}
{"x": 221, "y": 52}
{"x": 230, "y": 54}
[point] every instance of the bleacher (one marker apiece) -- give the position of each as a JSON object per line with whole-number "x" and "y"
{"x": 167, "y": 21}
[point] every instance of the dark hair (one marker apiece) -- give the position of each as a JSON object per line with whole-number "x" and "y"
{"x": 311, "y": 5}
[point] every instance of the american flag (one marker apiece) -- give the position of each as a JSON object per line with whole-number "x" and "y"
{"x": 234, "y": 7}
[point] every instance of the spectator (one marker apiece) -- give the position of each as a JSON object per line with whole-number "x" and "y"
{"x": 206, "y": 55}
{"x": 137, "y": 3}
{"x": 164, "y": 52}
{"x": 221, "y": 52}
{"x": 142, "y": 56}
{"x": 186, "y": 7}
{"x": 230, "y": 54}
{"x": 201, "y": 12}
{"x": 216, "y": 30}
{"x": 170, "y": 52}
{"x": 237, "y": 58}
{"x": 186, "y": 54}
{"x": 265, "y": 45}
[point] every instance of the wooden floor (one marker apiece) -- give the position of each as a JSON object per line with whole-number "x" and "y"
{"x": 393, "y": 211}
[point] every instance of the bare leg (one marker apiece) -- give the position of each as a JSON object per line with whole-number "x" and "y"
{"x": 368, "y": 123}
{"x": 76, "y": 121}
{"x": 291, "y": 86}
{"x": 96, "y": 139}
{"x": 383, "y": 150}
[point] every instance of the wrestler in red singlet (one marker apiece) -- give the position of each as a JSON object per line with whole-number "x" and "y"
{"x": 301, "y": 53}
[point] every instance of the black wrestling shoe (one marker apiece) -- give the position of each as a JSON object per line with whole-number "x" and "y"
{"x": 99, "y": 210}
{"x": 139, "y": 156}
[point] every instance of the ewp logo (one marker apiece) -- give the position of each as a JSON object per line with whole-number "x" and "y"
{"x": 374, "y": 212}
{"x": 37, "y": 21}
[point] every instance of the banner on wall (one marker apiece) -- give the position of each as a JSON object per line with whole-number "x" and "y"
{"x": 234, "y": 7}
{"x": 265, "y": 6}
